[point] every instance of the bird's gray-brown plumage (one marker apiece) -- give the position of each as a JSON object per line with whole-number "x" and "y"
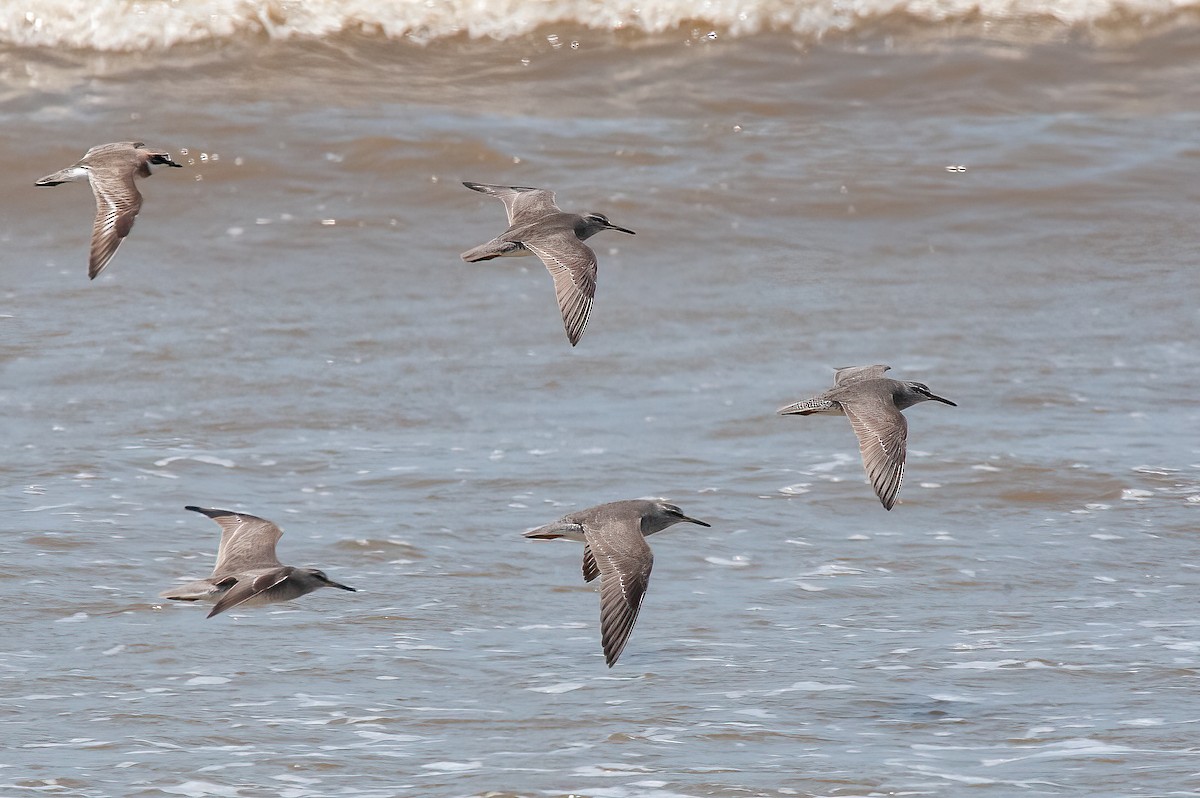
{"x": 111, "y": 170}
{"x": 247, "y": 572}
{"x": 615, "y": 549}
{"x": 873, "y": 403}
{"x": 537, "y": 225}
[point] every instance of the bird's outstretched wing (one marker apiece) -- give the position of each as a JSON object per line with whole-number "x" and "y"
{"x": 852, "y": 374}
{"x": 247, "y": 541}
{"x": 523, "y": 203}
{"x": 883, "y": 439}
{"x": 572, "y": 264}
{"x": 117, "y": 204}
{"x": 624, "y": 562}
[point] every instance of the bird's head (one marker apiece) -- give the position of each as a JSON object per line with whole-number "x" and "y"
{"x": 915, "y": 392}
{"x": 664, "y": 515}
{"x": 327, "y": 582}
{"x": 592, "y": 223}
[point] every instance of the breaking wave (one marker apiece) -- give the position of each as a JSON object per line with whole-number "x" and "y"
{"x": 126, "y": 25}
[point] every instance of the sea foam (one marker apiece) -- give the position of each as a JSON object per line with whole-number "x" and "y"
{"x": 122, "y": 25}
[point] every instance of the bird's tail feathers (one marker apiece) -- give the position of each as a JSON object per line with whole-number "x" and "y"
{"x": 492, "y": 249}
{"x": 810, "y": 406}
{"x": 558, "y": 529}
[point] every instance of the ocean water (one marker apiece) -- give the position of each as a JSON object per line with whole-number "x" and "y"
{"x": 998, "y": 200}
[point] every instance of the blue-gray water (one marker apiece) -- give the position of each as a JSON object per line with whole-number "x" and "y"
{"x": 289, "y": 331}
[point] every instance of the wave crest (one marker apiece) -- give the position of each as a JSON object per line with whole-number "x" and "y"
{"x": 121, "y": 25}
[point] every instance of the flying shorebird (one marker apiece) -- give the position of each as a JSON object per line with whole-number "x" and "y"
{"x": 614, "y": 548}
{"x": 247, "y": 572}
{"x": 873, "y": 403}
{"x": 111, "y": 169}
{"x": 537, "y": 225}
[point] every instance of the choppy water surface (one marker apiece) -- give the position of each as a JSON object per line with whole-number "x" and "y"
{"x": 289, "y": 331}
